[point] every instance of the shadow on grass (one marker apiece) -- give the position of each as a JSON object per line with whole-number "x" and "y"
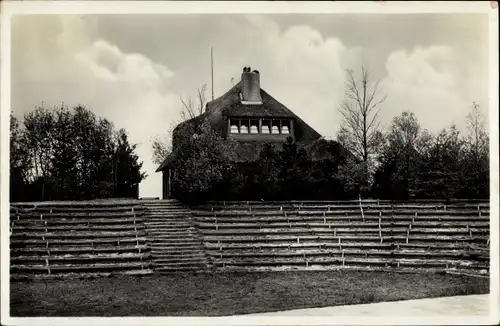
{"x": 228, "y": 293}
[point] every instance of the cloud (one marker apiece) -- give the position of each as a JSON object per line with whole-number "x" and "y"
{"x": 424, "y": 81}
{"x": 70, "y": 59}
{"x": 127, "y": 88}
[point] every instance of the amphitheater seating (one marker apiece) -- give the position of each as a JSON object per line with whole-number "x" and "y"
{"x": 138, "y": 237}
{"x": 372, "y": 234}
{"x": 78, "y": 238}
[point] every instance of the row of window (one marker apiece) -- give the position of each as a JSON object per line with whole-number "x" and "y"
{"x": 261, "y": 126}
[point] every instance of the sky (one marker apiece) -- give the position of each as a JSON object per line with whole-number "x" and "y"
{"x": 133, "y": 69}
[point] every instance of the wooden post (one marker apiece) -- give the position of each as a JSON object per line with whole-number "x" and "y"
{"x": 361, "y": 208}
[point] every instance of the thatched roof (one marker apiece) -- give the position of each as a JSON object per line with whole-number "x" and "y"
{"x": 229, "y": 105}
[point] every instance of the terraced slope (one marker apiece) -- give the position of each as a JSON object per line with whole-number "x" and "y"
{"x": 173, "y": 238}
{"x": 375, "y": 235}
{"x": 78, "y": 238}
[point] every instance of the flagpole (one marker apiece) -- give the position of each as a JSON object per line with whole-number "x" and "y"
{"x": 212, "y": 70}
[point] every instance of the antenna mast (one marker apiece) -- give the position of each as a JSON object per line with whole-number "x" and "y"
{"x": 212, "y": 70}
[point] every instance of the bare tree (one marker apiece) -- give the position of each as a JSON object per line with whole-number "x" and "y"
{"x": 478, "y": 139}
{"x": 477, "y": 153}
{"x": 162, "y": 147}
{"x": 193, "y": 107}
{"x": 360, "y": 129}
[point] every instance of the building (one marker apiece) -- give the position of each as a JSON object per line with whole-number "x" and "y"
{"x": 248, "y": 114}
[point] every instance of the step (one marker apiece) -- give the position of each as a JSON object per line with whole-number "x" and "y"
{"x": 179, "y": 234}
{"x": 350, "y": 261}
{"x": 171, "y": 229}
{"x": 33, "y": 269}
{"x": 50, "y": 236}
{"x": 170, "y": 211}
{"x": 174, "y": 238}
{"x": 313, "y": 238}
{"x": 167, "y": 223}
{"x": 168, "y": 219}
{"x": 49, "y": 229}
{"x": 79, "y": 249}
{"x": 177, "y": 269}
{"x": 160, "y": 265}
{"x": 174, "y": 254}
{"x": 314, "y": 254}
{"x": 157, "y": 260}
{"x": 156, "y": 246}
{"x": 178, "y": 241}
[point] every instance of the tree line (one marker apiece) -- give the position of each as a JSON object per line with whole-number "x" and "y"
{"x": 70, "y": 154}
{"x": 405, "y": 161}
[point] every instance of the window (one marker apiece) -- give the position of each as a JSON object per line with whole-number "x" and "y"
{"x": 266, "y": 126}
{"x": 245, "y": 127}
{"x": 275, "y": 129}
{"x": 285, "y": 127}
{"x": 254, "y": 127}
{"x": 234, "y": 127}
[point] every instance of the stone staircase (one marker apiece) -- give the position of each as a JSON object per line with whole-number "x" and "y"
{"x": 173, "y": 238}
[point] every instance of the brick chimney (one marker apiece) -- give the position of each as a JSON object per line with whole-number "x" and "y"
{"x": 250, "y": 86}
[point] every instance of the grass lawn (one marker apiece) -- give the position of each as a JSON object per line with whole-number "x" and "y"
{"x": 228, "y": 293}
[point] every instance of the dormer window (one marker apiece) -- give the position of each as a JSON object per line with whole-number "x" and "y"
{"x": 256, "y": 127}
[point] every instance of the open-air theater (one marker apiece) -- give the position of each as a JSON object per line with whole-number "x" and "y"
{"x": 62, "y": 239}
